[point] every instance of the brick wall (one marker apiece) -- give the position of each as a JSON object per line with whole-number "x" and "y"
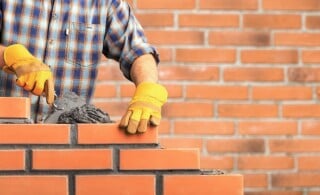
{"x": 97, "y": 159}
{"x": 243, "y": 82}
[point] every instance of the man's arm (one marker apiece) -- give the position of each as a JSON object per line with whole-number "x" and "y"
{"x": 146, "y": 103}
{"x": 144, "y": 69}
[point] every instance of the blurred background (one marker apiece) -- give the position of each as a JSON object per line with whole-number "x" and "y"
{"x": 242, "y": 77}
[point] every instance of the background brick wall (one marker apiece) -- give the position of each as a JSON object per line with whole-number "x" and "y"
{"x": 243, "y": 82}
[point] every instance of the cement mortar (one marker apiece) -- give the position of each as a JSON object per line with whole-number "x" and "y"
{"x": 72, "y": 108}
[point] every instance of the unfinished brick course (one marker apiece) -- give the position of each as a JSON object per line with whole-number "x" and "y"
{"x": 94, "y": 159}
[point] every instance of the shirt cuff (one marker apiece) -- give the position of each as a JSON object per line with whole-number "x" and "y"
{"x": 127, "y": 61}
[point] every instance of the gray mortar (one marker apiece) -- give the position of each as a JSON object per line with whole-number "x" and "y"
{"x": 72, "y": 108}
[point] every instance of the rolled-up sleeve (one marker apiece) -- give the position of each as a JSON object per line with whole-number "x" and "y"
{"x": 124, "y": 39}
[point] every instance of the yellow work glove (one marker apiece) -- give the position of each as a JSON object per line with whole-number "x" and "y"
{"x": 144, "y": 108}
{"x": 32, "y": 74}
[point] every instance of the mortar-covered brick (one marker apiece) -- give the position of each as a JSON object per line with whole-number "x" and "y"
{"x": 115, "y": 184}
{"x": 12, "y": 160}
{"x": 202, "y": 184}
{"x": 74, "y": 159}
{"x": 159, "y": 159}
{"x": 34, "y": 134}
{"x": 32, "y": 185}
{"x": 14, "y": 107}
{"x": 111, "y": 134}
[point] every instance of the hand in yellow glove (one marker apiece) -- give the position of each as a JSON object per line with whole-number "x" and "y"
{"x": 144, "y": 108}
{"x": 32, "y": 74}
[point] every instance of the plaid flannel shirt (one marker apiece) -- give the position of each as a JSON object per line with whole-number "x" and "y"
{"x": 69, "y": 36}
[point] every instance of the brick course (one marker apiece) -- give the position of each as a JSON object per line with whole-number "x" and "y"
{"x": 86, "y": 159}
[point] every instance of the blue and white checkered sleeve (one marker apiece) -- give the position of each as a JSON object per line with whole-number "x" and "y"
{"x": 125, "y": 39}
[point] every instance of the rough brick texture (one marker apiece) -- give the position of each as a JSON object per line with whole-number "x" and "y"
{"x": 242, "y": 77}
{"x": 86, "y": 159}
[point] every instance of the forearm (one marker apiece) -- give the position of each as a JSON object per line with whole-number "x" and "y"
{"x": 144, "y": 69}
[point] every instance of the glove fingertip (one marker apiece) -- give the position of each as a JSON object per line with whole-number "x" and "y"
{"x": 132, "y": 127}
{"x": 143, "y": 126}
{"x": 155, "y": 120}
{"x": 49, "y": 91}
{"x": 125, "y": 119}
{"x": 20, "y": 83}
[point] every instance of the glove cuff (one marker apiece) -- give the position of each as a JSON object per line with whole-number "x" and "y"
{"x": 154, "y": 92}
{"x": 14, "y": 53}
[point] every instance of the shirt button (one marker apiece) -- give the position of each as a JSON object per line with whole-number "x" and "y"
{"x": 51, "y": 41}
{"x": 55, "y": 16}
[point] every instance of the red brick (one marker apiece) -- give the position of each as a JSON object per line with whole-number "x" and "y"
{"x": 159, "y": 159}
{"x": 314, "y": 193}
{"x": 239, "y": 38}
{"x": 217, "y": 162}
{"x": 192, "y": 73}
{"x": 174, "y": 90}
{"x": 301, "y": 110}
{"x": 311, "y": 56}
{"x": 255, "y": 180}
{"x": 72, "y": 159}
{"x": 229, "y": 5}
{"x": 206, "y": 55}
{"x": 313, "y": 22}
{"x": 294, "y": 145}
{"x": 14, "y": 107}
{"x": 12, "y": 160}
{"x": 204, "y": 91}
{"x": 304, "y": 74}
{"x": 127, "y": 90}
{"x": 268, "y": 128}
{"x": 110, "y": 72}
{"x": 296, "y": 180}
{"x": 103, "y": 90}
{"x": 293, "y": 5}
{"x": 31, "y": 185}
{"x": 115, "y": 184}
{"x": 166, "y": 4}
{"x": 309, "y": 163}
{"x": 203, "y": 127}
{"x": 188, "y": 109}
{"x": 155, "y": 19}
{"x": 265, "y": 162}
{"x": 296, "y": 39}
{"x": 34, "y": 134}
{"x": 253, "y": 74}
{"x": 269, "y": 56}
{"x": 310, "y": 127}
{"x": 209, "y": 20}
{"x": 165, "y": 54}
{"x": 248, "y": 110}
{"x": 202, "y": 184}
{"x": 282, "y": 93}
{"x": 164, "y": 127}
{"x": 166, "y": 37}
{"x": 272, "y": 21}
{"x": 111, "y": 134}
{"x": 113, "y": 107}
{"x": 174, "y": 142}
{"x": 236, "y": 145}
{"x": 274, "y": 192}
{"x": 318, "y": 92}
